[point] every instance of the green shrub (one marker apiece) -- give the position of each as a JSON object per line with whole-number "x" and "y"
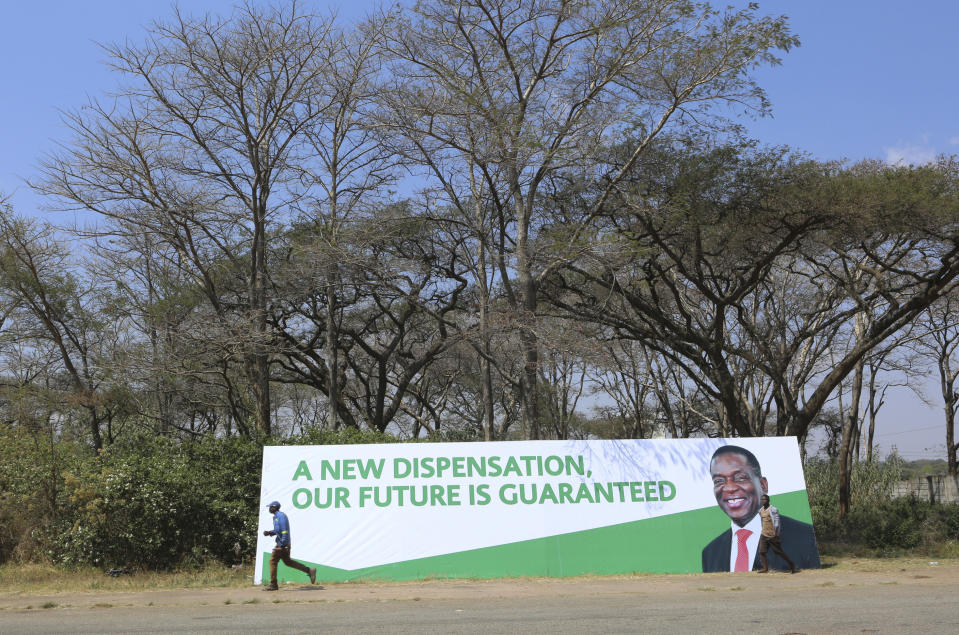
{"x": 231, "y": 486}
{"x": 948, "y": 517}
{"x": 871, "y": 484}
{"x": 343, "y": 436}
{"x": 891, "y": 527}
{"x": 136, "y": 506}
{"x": 31, "y": 489}
{"x": 145, "y": 501}
{"x": 876, "y": 521}
{"x": 172, "y": 503}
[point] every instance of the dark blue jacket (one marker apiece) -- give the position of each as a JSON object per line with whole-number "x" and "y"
{"x": 281, "y": 527}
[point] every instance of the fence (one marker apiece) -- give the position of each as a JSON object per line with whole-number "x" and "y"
{"x": 936, "y": 488}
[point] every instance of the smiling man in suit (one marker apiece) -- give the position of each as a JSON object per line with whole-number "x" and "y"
{"x": 738, "y": 485}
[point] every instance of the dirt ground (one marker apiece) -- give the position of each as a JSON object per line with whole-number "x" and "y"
{"x": 848, "y": 572}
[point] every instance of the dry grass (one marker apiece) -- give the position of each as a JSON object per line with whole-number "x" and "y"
{"x": 947, "y": 549}
{"x": 883, "y": 565}
{"x": 40, "y": 578}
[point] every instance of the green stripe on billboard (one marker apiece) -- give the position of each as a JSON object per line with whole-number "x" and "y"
{"x": 664, "y": 544}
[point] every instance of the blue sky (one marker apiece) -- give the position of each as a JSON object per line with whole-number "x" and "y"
{"x": 872, "y": 79}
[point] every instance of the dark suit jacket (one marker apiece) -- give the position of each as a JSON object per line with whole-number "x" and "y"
{"x": 798, "y": 541}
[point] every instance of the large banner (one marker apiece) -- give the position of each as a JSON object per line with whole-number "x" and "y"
{"x": 528, "y": 508}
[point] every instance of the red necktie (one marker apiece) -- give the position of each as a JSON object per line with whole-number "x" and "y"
{"x": 742, "y": 551}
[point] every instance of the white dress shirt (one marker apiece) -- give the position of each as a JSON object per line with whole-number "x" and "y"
{"x": 752, "y": 542}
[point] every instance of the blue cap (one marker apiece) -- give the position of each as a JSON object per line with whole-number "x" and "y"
{"x": 274, "y": 504}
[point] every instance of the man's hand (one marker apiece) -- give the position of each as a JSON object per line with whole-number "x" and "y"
{"x": 267, "y": 532}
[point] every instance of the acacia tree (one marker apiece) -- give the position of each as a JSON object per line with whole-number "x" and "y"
{"x": 858, "y": 285}
{"x": 681, "y": 257}
{"x": 694, "y": 239}
{"x": 620, "y": 371}
{"x": 57, "y": 312}
{"x": 507, "y": 98}
{"x": 940, "y": 343}
{"x": 404, "y": 287}
{"x": 348, "y": 179}
{"x": 203, "y": 147}
{"x": 901, "y": 226}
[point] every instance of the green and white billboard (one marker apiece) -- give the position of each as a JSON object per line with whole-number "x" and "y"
{"x": 524, "y": 508}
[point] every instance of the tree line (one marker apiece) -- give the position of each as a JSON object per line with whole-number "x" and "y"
{"x": 467, "y": 219}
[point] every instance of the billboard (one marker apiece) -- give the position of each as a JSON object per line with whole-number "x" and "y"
{"x": 525, "y": 508}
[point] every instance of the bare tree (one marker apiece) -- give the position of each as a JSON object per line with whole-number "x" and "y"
{"x": 941, "y": 342}
{"x": 621, "y": 372}
{"x": 203, "y": 147}
{"x": 566, "y": 349}
{"x": 348, "y": 178}
{"x": 57, "y": 312}
{"x": 512, "y": 94}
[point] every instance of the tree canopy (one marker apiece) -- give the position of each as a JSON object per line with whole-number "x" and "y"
{"x": 462, "y": 219}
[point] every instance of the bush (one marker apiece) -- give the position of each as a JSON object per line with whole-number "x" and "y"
{"x": 948, "y": 517}
{"x": 344, "y": 436}
{"x": 893, "y": 526}
{"x": 884, "y": 525}
{"x": 230, "y": 481}
{"x": 144, "y": 502}
{"x": 131, "y": 508}
{"x": 872, "y": 483}
{"x": 159, "y": 503}
{"x": 31, "y": 489}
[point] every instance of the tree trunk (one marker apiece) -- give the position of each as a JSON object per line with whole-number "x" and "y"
{"x": 873, "y": 411}
{"x": 527, "y": 323}
{"x": 951, "y": 446}
{"x": 849, "y": 437}
{"x": 332, "y": 352}
{"x": 261, "y": 358}
{"x": 947, "y": 381}
{"x": 95, "y": 430}
{"x": 486, "y": 371}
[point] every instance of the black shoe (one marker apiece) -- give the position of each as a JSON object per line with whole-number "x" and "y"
{"x": 312, "y": 575}
{"x": 271, "y": 587}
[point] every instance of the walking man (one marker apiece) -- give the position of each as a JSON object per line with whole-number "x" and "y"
{"x": 770, "y": 535}
{"x": 281, "y": 529}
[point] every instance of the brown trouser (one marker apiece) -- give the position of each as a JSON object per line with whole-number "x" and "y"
{"x": 283, "y": 553}
{"x": 765, "y": 542}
